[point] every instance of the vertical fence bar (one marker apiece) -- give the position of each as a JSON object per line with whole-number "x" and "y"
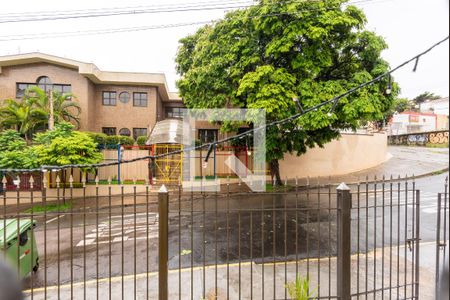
{"x": 405, "y": 258}
{"x": 274, "y": 239}
{"x": 32, "y": 258}
{"x": 179, "y": 242}
{"x": 147, "y": 239}
{"x": 318, "y": 233}
{"x": 438, "y": 246}
{"x": 71, "y": 235}
{"x": 366, "y": 266}
{"x": 109, "y": 238}
{"x": 134, "y": 236}
{"x": 203, "y": 245}
{"x": 358, "y": 195}
{"x": 329, "y": 235}
{"x": 296, "y": 227}
{"x": 383, "y": 211}
{"x": 163, "y": 245}
{"x": 344, "y": 242}
{"x": 375, "y": 207}
{"x": 390, "y": 237}
{"x": 417, "y": 246}
{"x": 44, "y": 204}
{"x": 398, "y": 235}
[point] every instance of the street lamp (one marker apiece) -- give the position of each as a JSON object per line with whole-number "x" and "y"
{"x": 389, "y": 87}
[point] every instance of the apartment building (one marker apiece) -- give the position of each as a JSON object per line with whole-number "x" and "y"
{"x": 124, "y": 103}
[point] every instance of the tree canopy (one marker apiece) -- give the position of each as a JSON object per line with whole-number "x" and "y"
{"x": 419, "y": 99}
{"x": 57, "y": 147}
{"x": 264, "y": 55}
{"x": 31, "y": 113}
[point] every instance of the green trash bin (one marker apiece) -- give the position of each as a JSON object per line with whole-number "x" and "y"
{"x": 20, "y": 249}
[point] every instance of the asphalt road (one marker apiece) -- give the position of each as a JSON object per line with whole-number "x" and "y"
{"x": 218, "y": 229}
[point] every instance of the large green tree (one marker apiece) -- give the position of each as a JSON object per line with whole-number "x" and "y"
{"x": 263, "y": 56}
{"x": 65, "y": 108}
{"x": 31, "y": 113}
{"x": 419, "y": 99}
{"x": 58, "y": 147}
{"x": 22, "y": 117}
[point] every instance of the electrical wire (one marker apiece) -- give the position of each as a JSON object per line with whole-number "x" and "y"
{"x": 16, "y": 37}
{"x": 292, "y": 118}
{"x": 106, "y": 12}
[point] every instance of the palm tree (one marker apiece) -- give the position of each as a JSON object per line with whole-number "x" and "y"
{"x": 22, "y": 117}
{"x": 64, "y": 107}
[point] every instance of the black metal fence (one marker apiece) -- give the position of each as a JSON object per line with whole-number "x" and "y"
{"x": 442, "y": 252}
{"x": 131, "y": 241}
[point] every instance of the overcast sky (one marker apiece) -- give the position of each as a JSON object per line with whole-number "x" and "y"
{"x": 409, "y": 26}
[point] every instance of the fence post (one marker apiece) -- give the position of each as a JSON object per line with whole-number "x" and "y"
{"x": 163, "y": 209}
{"x": 344, "y": 200}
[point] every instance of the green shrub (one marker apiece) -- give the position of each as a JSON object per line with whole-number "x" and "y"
{"x": 99, "y": 138}
{"x": 112, "y": 140}
{"x": 141, "y": 140}
{"x": 126, "y": 140}
{"x": 300, "y": 289}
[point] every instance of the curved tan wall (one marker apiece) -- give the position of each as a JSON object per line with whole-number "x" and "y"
{"x": 351, "y": 153}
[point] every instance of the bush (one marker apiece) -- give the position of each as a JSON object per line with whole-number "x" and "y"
{"x": 99, "y": 138}
{"x": 126, "y": 140}
{"x": 141, "y": 140}
{"x": 113, "y": 140}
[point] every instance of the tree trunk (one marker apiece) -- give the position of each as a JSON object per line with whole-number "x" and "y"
{"x": 275, "y": 171}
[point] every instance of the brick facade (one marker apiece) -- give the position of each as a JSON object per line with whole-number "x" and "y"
{"x": 87, "y": 84}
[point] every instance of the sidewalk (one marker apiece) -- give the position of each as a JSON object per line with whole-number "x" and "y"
{"x": 252, "y": 283}
{"x": 404, "y": 161}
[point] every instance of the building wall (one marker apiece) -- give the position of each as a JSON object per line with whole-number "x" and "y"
{"x": 124, "y": 115}
{"x": 94, "y": 115}
{"x": 9, "y": 76}
{"x": 439, "y": 107}
{"x": 413, "y": 122}
{"x": 351, "y": 153}
{"x": 442, "y": 122}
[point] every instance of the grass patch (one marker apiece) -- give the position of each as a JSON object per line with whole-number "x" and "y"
{"x": 116, "y": 182}
{"x": 439, "y": 172}
{"x": 211, "y": 177}
{"x": 277, "y": 188}
{"x": 37, "y": 209}
{"x": 430, "y": 145}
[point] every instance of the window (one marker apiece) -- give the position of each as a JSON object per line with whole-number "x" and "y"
{"x": 174, "y": 112}
{"x": 62, "y": 88}
{"x": 21, "y": 87}
{"x": 44, "y": 83}
{"x": 124, "y": 97}
{"x": 207, "y": 135}
{"x": 124, "y": 132}
{"x": 109, "y": 98}
{"x": 23, "y": 238}
{"x": 109, "y": 130}
{"x": 140, "y": 99}
{"x": 139, "y": 132}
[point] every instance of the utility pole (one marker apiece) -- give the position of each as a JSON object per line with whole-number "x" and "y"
{"x": 51, "y": 118}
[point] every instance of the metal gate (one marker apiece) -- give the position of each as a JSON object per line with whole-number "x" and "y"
{"x": 385, "y": 237}
{"x": 442, "y": 240}
{"x": 168, "y": 169}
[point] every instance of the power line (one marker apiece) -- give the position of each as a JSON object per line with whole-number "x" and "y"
{"x": 332, "y": 101}
{"x": 16, "y": 37}
{"x": 132, "y": 11}
{"x": 105, "y": 12}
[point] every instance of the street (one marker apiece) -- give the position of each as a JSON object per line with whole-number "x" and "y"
{"x": 123, "y": 241}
